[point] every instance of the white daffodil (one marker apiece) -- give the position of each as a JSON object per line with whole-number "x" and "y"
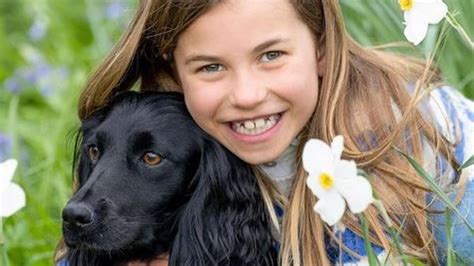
{"x": 418, "y": 14}
{"x": 12, "y": 196}
{"x": 334, "y": 181}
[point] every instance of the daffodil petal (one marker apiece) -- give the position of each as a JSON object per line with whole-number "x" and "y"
{"x": 7, "y": 169}
{"x": 315, "y": 185}
{"x": 433, "y": 12}
{"x": 331, "y": 208}
{"x": 345, "y": 170}
{"x": 423, "y": 13}
{"x": 337, "y": 146}
{"x": 357, "y": 192}
{"x": 12, "y": 199}
{"x": 416, "y": 32}
{"x": 317, "y": 157}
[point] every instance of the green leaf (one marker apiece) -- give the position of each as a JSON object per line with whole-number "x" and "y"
{"x": 414, "y": 261}
{"x": 449, "y": 225}
{"x": 373, "y": 260}
{"x": 435, "y": 187}
{"x": 362, "y": 173}
{"x": 467, "y": 163}
{"x": 3, "y": 248}
{"x": 393, "y": 233}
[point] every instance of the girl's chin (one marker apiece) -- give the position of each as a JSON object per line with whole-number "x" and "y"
{"x": 259, "y": 154}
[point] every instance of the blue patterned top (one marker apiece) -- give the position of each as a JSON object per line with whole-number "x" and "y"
{"x": 460, "y": 130}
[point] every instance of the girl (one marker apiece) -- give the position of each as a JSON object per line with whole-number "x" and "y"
{"x": 263, "y": 77}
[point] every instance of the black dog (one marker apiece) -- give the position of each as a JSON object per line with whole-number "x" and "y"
{"x": 151, "y": 181}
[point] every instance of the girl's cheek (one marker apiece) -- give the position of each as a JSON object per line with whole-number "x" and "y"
{"x": 203, "y": 98}
{"x": 284, "y": 76}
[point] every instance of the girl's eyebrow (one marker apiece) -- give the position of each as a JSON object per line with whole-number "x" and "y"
{"x": 201, "y": 58}
{"x": 259, "y": 48}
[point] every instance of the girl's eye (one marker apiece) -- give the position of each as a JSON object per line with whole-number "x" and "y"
{"x": 270, "y": 56}
{"x": 151, "y": 158}
{"x": 94, "y": 153}
{"x": 211, "y": 68}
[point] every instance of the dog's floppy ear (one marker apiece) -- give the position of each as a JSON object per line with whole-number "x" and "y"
{"x": 225, "y": 221}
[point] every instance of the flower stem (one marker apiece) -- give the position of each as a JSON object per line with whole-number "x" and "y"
{"x": 371, "y": 257}
{"x": 393, "y": 233}
{"x": 3, "y": 249}
{"x": 455, "y": 24}
{"x": 450, "y": 261}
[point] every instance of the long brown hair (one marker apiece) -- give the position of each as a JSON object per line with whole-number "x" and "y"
{"x": 369, "y": 84}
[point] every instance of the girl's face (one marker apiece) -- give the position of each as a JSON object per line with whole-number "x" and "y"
{"x": 248, "y": 70}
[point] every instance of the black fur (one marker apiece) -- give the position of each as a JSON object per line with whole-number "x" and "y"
{"x": 201, "y": 203}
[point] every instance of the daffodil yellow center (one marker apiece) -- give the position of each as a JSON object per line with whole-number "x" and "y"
{"x": 326, "y": 181}
{"x": 406, "y": 5}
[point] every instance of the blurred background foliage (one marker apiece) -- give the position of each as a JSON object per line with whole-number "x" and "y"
{"x": 48, "y": 48}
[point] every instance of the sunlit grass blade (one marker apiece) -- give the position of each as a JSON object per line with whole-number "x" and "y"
{"x": 383, "y": 213}
{"x": 3, "y": 252}
{"x": 3, "y": 248}
{"x": 413, "y": 261}
{"x": 462, "y": 32}
{"x": 396, "y": 241}
{"x": 391, "y": 230}
{"x": 435, "y": 187}
{"x": 373, "y": 260}
{"x": 467, "y": 163}
{"x": 449, "y": 226}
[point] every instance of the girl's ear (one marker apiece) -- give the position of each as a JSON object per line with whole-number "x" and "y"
{"x": 321, "y": 55}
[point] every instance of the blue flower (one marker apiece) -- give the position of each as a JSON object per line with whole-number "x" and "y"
{"x": 5, "y": 146}
{"x": 35, "y": 74}
{"x": 37, "y": 30}
{"x": 39, "y": 75}
{"x": 114, "y": 10}
{"x": 13, "y": 85}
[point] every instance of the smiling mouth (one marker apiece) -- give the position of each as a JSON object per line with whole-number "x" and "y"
{"x": 255, "y": 126}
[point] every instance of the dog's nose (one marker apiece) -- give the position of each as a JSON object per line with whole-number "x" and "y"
{"x": 77, "y": 214}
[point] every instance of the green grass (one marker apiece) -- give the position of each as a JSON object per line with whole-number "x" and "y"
{"x": 376, "y": 22}
{"x": 41, "y": 119}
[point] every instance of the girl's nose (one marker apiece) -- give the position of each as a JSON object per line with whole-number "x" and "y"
{"x": 248, "y": 90}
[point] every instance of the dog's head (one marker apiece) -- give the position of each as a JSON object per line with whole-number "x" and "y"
{"x": 137, "y": 159}
{"x": 151, "y": 181}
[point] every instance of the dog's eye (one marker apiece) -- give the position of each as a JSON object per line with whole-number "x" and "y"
{"x": 151, "y": 158}
{"x": 94, "y": 153}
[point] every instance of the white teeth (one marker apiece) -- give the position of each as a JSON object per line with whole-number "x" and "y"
{"x": 249, "y": 124}
{"x": 257, "y": 126}
{"x": 259, "y": 122}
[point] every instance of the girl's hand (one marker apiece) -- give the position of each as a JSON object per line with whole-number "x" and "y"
{"x": 159, "y": 261}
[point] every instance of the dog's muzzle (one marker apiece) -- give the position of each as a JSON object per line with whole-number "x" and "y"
{"x": 78, "y": 220}
{"x": 77, "y": 215}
